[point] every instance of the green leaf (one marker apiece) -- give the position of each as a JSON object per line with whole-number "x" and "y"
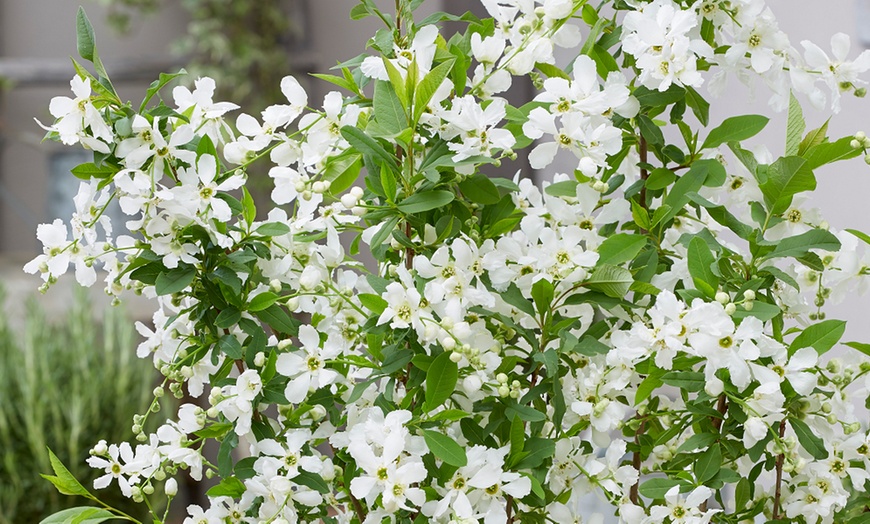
{"x": 342, "y": 171}
{"x": 428, "y": 86}
{"x": 517, "y": 435}
{"x": 80, "y": 515}
{"x": 312, "y": 481}
{"x": 388, "y": 108}
{"x": 225, "y": 454}
{"x": 262, "y": 301}
{"x": 228, "y": 317}
{"x": 861, "y": 235}
{"x": 527, "y": 413}
{"x": 860, "y": 346}
{"x": 657, "y": 488}
{"x": 787, "y": 177}
{"x": 688, "y": 380}
{"x": 707, "y": 464}
{"x": 449, "y": 415}
{"x": 654, "y": 97}
{"x": 479, "y": 189}
{"x": 698, "y": 441}
{"x": 830, "y": 152}
{"x": 273, "y": 229}
{"x": 539, "y": 450}
{"x": 372, "y": 302}
{"x": 369, "y": 146}
{"x": 821, "y": 337}
{"x": 445, "y": 448}
{"x": 659, "y": 179}
{"x": 278, "y": 320}
{"x": 228, "y": 487}
{"x": 700, "y": 107}
{"x": 700, "y": 263}
{"x": 426, "y": 201}
{"x": 800, "y": 245}
{"x": 542, "y": 294}
{"x": 63, "y": 480}
{"x": 388, "y": 182}
{"x": 796, "y": 126}
{"x": 809, "y": 441}
{"x": 159, "y": 84}
{"x": 566, "y": 188}
{"x": 515, "y": 298}
{"x": 229, "y": 345}
{"x": 85, "y": 43}
{"x": 735, "y": 129}
{"x": 650, "y": 131}
{"x": 613, "y": 281}
{"x": 742, "y": 494}
{"x": 813, "y": 138}
{"x": 90, "y": 170}
{"x": 174, "y": 281}
{"x": 384, "y": 232}
{"x": 441, "y": 380}
{"x": 687, "y": 184}
{"x": 620, "y": 248}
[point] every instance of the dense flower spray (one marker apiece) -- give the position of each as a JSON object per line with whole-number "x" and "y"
{"x": 649, "y": 329}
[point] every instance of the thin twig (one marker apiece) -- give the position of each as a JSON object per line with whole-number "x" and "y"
{"x": 633, "y": 493}
{"x": 779, "y": 461}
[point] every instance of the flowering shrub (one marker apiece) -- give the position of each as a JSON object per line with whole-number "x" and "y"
{"x": 649, "y": 328}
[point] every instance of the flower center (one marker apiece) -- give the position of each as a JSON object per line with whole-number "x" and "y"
{"x": 314, "y": 364}
{"x": 382, "y": 474}
{"x": 794, "y": 216}
{"x": 726, "y": 342}
{"x": 492, "y": 490}
{"x": 404, "y": 313}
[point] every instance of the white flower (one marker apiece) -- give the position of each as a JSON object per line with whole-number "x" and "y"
{"x": 838, "y": 72}
{"x": 76, "y": 116}
{"x": 308, "y": 370}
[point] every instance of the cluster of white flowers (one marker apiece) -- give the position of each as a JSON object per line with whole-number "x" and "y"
{"x": 518, "y": 349}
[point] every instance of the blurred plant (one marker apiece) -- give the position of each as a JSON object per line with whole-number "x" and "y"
{"x": 64, "y": 385}
{"x": 242, "y": 45}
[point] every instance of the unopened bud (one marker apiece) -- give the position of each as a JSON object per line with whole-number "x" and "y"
{"x": 600, "y": 186}
{"x": 448, "y": 344}
{"x": 455, "y": 356}
{"x": 260, "y": 359}
{"x": 856, "y": 144}
{"x": 723, "y": 297}
{"x": 749, "y": 294}
{"x": 861, "y": 92}
{"x": 171, "y": 488}
{"x": 730, "y": 308}
{"x": 318, "y": 187}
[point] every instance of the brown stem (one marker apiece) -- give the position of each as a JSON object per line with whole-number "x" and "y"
{"x": 357, "y": 508}
{"x": 633, "y": 493}
{"x": 721, "y": 407}
{"x": 510, "y": 509}
{"x": 779, "y": 461}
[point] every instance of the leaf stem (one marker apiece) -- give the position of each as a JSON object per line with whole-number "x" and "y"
{"x": 780, "y": 459}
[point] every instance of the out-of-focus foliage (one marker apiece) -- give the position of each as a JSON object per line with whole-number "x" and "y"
{"x": 64, "y": 384}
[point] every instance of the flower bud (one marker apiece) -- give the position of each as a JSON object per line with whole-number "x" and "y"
{"x": 502, "y": 378}
{"x": 503, "y": 391}
{"x": 318, "y": 187}
{"x": 730, "y": 308}
{"x": 749, "y": 294}
{"x": 748, "y": 305}
{"x": 448, "y": 344}
{"x": 455, "y": 357}
{"x": 856, "y": 144}
{"x": 472, "y": 384}
{"x": 867, "y": 159}
{"x": 348, "y": 200}
{"x": 260, "y": 359}
{"x": 861, "y": 92}
{"x": 171, "y": 488}
{"x": 600, "y": 186}
{"x": 723, "y": 297}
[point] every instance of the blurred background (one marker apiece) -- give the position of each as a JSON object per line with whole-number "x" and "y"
{"x": 69, "y": 402}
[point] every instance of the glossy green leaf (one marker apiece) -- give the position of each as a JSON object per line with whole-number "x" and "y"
{"x": 426, "y": 201}
{"x": 795, "y": 127}
{"x": 813, "y": 445}
{"x": 735, "y": 129}
{"x": 175, "y": 280}
{"x": 821, "y": 336}
{"x": 80, "y": 515}
{"x": 700, "y": 263}
{"x": 428, "y": 86}
{"x": 479, "y": 189}
{"x": 620, "y": 248}
{"x": 800, "y": 245}
{"x": 787, "y": 177}
{"x": 613, "y": 281}
{"x": 707, "y": 465}
{"x": 441, "y": 380}
{"x": 228, "y": 487}
{"x": 445, "y": 448}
